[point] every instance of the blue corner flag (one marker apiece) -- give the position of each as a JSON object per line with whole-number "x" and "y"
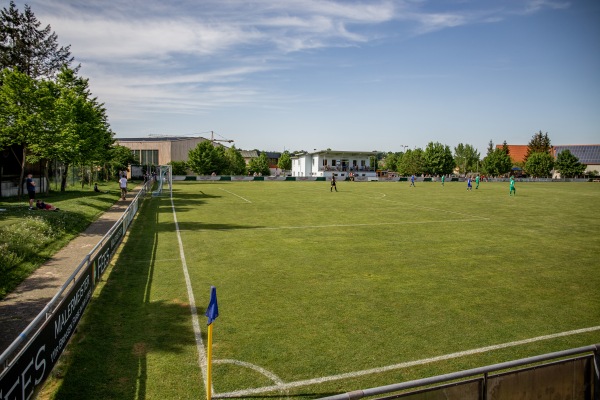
{"x": 212, "y": 312}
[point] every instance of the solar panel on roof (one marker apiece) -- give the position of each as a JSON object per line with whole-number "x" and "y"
{"x": 587, "y": 154}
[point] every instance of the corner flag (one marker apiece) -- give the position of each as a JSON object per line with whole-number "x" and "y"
{"x": 212, "y": 312}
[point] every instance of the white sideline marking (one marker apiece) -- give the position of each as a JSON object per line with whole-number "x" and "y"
{"x": 196, "y": 325}
{"x": 290, "y": 385}
{"x": 237, "y": 195}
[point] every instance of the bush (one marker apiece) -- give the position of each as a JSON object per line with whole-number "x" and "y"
{"x": 22, "y": 241}
{"x": 179, "y": 167}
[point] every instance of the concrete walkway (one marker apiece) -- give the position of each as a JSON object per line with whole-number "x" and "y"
{"x": 20, "y": 307}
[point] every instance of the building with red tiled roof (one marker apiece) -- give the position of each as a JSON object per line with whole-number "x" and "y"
{"x": 517, "y": 152}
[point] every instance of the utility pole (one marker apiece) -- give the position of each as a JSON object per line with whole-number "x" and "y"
{"x": 213, "y": 140}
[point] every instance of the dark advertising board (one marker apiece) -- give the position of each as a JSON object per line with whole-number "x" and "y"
{"x": 33, "y": 365}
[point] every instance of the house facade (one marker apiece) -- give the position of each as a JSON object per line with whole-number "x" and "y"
{"x": 327, "y": 163}
{"x": 161, "y": 150}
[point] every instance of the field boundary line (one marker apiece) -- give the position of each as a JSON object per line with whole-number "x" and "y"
{"x": 237, "y": 195}
{"x": 202, "y": 360}
{"x": 348, "y": 375}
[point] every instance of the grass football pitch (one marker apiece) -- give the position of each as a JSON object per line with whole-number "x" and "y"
{"x": 322, "y": 293}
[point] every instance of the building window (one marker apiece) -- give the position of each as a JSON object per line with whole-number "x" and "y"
{"x": 146, "y": 157}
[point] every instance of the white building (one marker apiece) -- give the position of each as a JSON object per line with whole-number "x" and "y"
{"x": 326, "y": 163}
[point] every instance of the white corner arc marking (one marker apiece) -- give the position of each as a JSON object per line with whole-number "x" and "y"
{"x": 256, "y": 368}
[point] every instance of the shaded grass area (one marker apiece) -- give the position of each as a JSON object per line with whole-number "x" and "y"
{"x": 29, "y": 238}
{"x": 136, "y": 333}
{"x": 314, "y": 284}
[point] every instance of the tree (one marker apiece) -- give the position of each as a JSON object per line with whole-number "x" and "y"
{"x": 24, "y": 107}
{"x": 539, "y": 143}
{"x": 412, "y": 162}
{"x": 539, "y": 164}
{"x": 179, "y": 167}
{"x": 391, "y": 161}
{"x": 466, "y": 158}
{"x": 236, "y": 165}
{"x": 26, "y": 47}
{"x": 79, "y": 132}
{"x": 497, "y": 161}
{"x": 259, "y": 165}
{"x": 438, "y": 159}
{"x": 206, "y": 159}
{"x": 120, "y": 158}
{"x": 568, "y": 164}
{"x": 285, "y": 161}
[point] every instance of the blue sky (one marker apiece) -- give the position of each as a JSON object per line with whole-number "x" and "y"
{"x": 346, "y": 75}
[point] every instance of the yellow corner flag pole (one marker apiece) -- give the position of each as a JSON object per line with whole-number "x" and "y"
{"x": 209, "y": 364}
{"x": 212, "y": 312}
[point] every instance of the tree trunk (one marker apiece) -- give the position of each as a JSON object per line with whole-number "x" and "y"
{"x": 22, "y": 177}
{"x": 46, "y": 185}
{"x": 63, "y": 178}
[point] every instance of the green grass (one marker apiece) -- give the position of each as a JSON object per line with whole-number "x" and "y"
{"x": 29, "y": 238}
{"x": 314, "y": 284}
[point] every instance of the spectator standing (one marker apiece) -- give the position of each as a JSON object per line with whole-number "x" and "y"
{"x": 30, "y": 190}
{"x": 123, "y": 186}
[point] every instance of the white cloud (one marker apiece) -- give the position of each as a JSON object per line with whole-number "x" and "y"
{"x": 149, "y": 56}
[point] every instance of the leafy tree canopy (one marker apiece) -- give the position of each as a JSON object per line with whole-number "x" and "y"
{"x": 121, "y": 157}
{"x": 259, "y": 165}
{"x": 539, "y": 164}
{"x": 497, "y": 161}
{"x": 392, "y": 160}
{"x": 412, "y": 162}
{"x": 568, "y": 164}
{"x": 438, "y": 159}
{"x": 285, "y": 161}
{"x": 206, "y": 159}
{"x": 539, "y": 143}
{"x": 466, "y": 158}
{"x": 236, "y": 165}
{"x": 25, "y": 46}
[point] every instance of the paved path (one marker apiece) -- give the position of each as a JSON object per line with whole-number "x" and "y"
{"x": 21, "y": 306}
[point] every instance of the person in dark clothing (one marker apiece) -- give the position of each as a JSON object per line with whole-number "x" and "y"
{"x": 30, "y": 189}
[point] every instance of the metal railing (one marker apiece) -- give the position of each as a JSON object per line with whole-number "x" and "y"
{"x": 483, "y": 373}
